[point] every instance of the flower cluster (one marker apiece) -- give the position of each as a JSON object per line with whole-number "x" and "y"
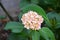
{"x": 32, "y": 20}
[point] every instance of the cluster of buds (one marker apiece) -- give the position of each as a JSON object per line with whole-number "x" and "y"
{"x": 32, "y": 20}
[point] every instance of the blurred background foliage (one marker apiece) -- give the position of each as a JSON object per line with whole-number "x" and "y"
{"x": 48, "y": 5}
{"x": 52, "y": 9}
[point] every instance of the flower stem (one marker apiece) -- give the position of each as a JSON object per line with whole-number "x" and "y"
{"x": 6, "y": 11}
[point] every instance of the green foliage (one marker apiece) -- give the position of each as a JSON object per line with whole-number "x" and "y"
{"x": 14, "y": 36}
{"x": 58, "y": 25}
{"x": 51, "y": 20}
{"x": 54, "y": 19}
{"x": 54, "y": 4}
{"x": 52, "y": 15}
{"x": 27, "y": 2}
{"x": 47, "y": 34}
{"x": 15, "y": 27}
{"x": 35, "y": 8}
{"x": 24, "y": 3}
{"x": 35, "y": 35}
{"x": 48, "y": 2}
{"x": 35, "y": 1}
{"x": 2, "y": 17}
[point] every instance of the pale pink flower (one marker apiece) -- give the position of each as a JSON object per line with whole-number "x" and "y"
{"x": 32, "y": 20}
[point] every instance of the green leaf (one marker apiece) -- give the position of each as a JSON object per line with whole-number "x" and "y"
{"x": 49, "y": 3}
{"x": 57, "y": 25}
{"x": 14, "y": 36}
{"x": 35, "y": 8}
{"x": 43, "y": 34}
{"x": 24, "y": 3}
{"x": 15, "y": 27}
{"x": 16, "y": 30}
{"x": 54, "y": 19}
{"x": 52, "y": 15}
{"x": 35, "y": 1}
{"x": 47, "y": 34}
{"x": 35, "y": 35}
{"x": 2, "y": 17}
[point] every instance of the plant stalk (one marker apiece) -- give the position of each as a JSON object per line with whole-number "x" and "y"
{"x": 6, "y": 11}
